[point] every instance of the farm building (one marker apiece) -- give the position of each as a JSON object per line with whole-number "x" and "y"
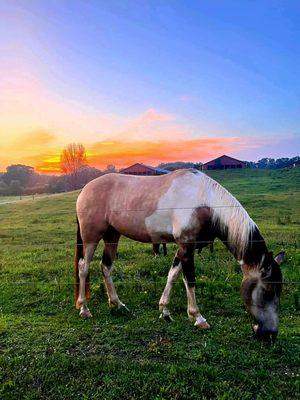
{"x": 142, "y": 169}
{"x": 223, "y": 162}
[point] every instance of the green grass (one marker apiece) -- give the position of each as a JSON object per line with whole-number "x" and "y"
{"x": 48, "y": 352}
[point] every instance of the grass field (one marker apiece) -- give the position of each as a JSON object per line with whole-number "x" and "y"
{"x": 17, "y": 199}
{"x": 48, "y": 352}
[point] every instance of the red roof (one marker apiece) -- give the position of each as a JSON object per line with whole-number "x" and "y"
{"x": 225, "y": 160}
{"x": 139, "y": 167}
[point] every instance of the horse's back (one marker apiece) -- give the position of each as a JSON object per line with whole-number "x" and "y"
{"x": 140, "y": 207}
{"x": 121, "y": 183}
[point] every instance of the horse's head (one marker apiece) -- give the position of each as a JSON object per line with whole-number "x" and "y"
{"x": 261, "y": 288}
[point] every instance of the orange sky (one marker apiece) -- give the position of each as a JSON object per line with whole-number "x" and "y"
{"x": 123, "y": 154}
{"x": 42, "y": 149}
{"x": 35, "y": 125}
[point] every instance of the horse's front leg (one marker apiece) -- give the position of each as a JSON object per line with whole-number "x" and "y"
{"x": 186, "y": 254}
{"x": 165, "y": 297}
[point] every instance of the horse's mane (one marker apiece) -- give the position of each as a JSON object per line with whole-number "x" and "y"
{"x": 228, "y": 215}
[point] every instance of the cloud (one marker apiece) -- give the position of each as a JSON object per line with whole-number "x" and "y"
{"x": 153, "y": 115}
{"x": 27, "y": 105}
{"x": 36, "y": 138}
{"x": 150, "y": 125}
{"x": 27, "y": 148}
{"x": 124, "y": 153}
{"x": 275, "y": 146}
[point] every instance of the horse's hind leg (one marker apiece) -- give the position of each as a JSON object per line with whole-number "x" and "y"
{"x": 155, "y": 247}
{"x": 111, "y": 240}
{"x": 83, "y": 266}
{"x": 165, "y": 249}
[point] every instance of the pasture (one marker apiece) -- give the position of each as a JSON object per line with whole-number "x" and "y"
{"x": 48, "y": 352}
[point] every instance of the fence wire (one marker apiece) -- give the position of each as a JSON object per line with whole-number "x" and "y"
{"x": 124, "y": 244}
{"x": 129, "y": 283}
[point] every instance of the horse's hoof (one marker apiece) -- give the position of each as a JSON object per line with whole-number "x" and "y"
{"x": 119, "y": 308}
{"x": 85, "y": 314}
{"x": 166, "y": 317}
{"x": 122, "y": 308}
{"x": 202, "y": 325}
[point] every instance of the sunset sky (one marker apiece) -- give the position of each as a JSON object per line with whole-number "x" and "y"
{"x": 148, "y": 81}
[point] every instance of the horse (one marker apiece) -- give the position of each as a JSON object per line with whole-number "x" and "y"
{"x": 156, "y": 249}
{"x": 186, "y": 207}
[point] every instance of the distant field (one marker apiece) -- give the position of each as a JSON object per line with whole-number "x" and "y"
{"x": 16, "y": 199}
{"x": 48, "y": 352}
{"x": 9, "y": 199}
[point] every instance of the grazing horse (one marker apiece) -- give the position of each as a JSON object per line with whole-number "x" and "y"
{"x": 186, "y": 207}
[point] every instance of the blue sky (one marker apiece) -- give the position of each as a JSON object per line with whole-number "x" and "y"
{"x": 220, "y": 69}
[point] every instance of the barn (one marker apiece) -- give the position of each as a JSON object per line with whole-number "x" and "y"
{"x": 224, "y": 162}
{"x": 142, "y": 169}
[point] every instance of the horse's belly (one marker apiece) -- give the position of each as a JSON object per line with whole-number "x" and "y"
{"x": 136, "y": 226}
{"x": 159, "y": 224}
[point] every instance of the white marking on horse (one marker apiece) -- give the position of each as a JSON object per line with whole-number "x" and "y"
{"x": 193, "y": 310}
{"x": 266, "y": 313}
{"x": 81, "y": 301}
{"x": 113, "y": 298}
{"x": 165, "y": 297}
{"x": 192, "y": 190}
{"x": 175, "y": 207}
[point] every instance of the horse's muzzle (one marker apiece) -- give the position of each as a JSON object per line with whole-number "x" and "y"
{"x": 264, "y": 335}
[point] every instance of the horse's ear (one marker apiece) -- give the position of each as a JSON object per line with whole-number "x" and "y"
{"x": 280, "y": 257}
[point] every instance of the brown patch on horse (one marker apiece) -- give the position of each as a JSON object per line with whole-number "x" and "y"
{"x": 112, "y": 200}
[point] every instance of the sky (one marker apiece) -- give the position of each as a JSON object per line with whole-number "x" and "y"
{"x": 148, "y": 81}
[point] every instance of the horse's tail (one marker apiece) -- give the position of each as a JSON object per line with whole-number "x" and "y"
{"x": 79, "y": 254}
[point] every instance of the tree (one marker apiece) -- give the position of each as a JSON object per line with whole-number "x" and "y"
{"x": 3, "y": 188}
{"x": 15, "y": 188}
{"x": 18, "y": 172}
{"x": 110, "y": 168}
{"x": 172, "y": 166}
{"x": 72, "y": 161}
{"x": 87, "y": 174}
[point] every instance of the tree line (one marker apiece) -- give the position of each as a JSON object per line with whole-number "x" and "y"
{"x": 21, "y": 179}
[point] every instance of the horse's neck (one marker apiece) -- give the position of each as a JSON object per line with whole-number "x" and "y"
{"x": 222, "y": 234}
{"x": 254, "y": 250}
